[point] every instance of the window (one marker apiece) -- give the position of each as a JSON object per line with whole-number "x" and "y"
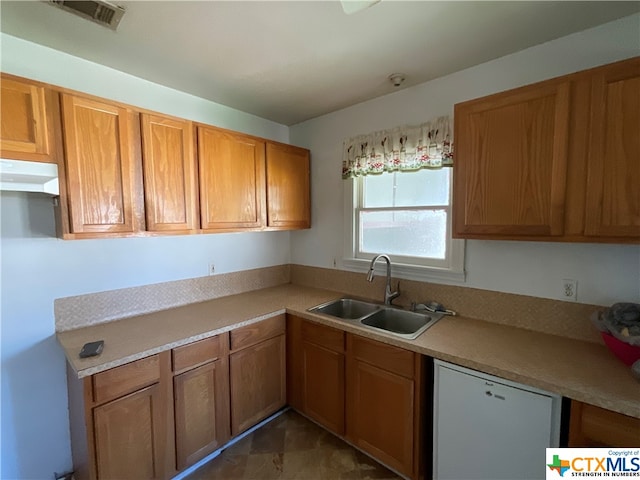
{"x": 406, "y": 215}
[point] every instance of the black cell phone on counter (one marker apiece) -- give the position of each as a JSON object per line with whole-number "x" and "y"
{"x": 92, "y": 349}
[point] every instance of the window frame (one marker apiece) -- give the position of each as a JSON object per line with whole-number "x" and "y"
{"x": 450, "y": 269}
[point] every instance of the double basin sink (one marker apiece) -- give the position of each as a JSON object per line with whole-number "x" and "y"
{"x": 389, "y": 319}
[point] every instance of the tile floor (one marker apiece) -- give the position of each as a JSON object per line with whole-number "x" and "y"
{"x": 291, "y": 447}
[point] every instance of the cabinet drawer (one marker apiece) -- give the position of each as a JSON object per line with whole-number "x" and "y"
{"x": 327, "y": 337}
{"x": 387, "y": 357}
{"x": 196, "y": 353}
{"x": 125, "y": 379}
{"x": 257, "y": 332}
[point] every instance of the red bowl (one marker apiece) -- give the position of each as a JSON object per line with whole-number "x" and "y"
{"x": 629, "y": 354}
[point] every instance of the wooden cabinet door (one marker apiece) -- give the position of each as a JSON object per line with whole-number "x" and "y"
{"x": 231, "y": 180}
{"x": 323, "y": 386}
{"x": 170, "y": 185}
{"x": 103, "y": 176}
{"x": 382, "y": 404}
{"x": 613, "y": 198}
{"x": 295, "y": 371}
{"x": 511, "y": 162}
{"x": 127, "y": 435}
{"x": 201, "y": 412}
{"x": 595, "y": 427}
{"x": 288, "y": 192}
{"x": 27, "y": 121}
{"x": 258, "y": 383}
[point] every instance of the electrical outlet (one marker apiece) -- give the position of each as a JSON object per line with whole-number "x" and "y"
{"x": 212, "y": 269}
{"x": 569, "y": 289}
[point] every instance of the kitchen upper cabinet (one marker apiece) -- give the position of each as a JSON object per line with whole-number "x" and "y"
{"x": 383, "y": 399}
{"x": 595, "y": 427}
{"x": 257, "y": 372}
{"x": 552, "y": 161}
{"x": 201, "y": 396}
{"x": 125, "y": 172}
{"x": 613, "y": 165}
{"x": 170, "y": 174}
{"x": 232, "y": 169}
{"x": 103, "y": 170}
{"x": 29, "y": 120}
{"x": 511, "y": 162}
{"x": 288, "y": 192}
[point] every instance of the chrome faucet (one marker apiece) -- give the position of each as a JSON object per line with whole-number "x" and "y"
{"x": 388, "y": 294}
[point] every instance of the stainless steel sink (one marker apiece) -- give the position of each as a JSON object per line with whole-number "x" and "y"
{"x": 393, "y": 320}
{"x": 346, "y": 308}
{"x": 401, "y": 322}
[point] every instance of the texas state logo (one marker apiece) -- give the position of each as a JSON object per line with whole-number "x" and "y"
{"x": 560, "y": 466}
{"x": 614, "y": 463}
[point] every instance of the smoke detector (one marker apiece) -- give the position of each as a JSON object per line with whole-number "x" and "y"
{"x": 98, "y": 11}
{"x": 396, "y": 79}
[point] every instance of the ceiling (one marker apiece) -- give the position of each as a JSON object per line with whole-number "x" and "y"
{"x": 294, "y": 60}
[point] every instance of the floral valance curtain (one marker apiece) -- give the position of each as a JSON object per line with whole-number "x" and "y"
{"x": 400, "y": 149}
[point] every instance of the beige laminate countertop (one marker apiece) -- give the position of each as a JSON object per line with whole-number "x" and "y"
{"x": 583, "y": 371}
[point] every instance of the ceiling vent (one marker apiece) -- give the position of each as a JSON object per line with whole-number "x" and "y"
{"x": 98, "y": 11}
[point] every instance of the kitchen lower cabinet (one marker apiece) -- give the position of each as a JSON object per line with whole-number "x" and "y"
{"x": 365, "y": 391}
{"x": 121, "y": 421}
{"x": 128, "y": 436}
{"x": 316, "y": 372}
{"x": 383, "y": 402}
{"x": 201, "y": 399}
{"x": 323, "y": 382}
{"x": 257, "y": 372}
{"x": 157, "y": 416}
{"x": 595, "y": 427}
{"x": 294, "y": 362}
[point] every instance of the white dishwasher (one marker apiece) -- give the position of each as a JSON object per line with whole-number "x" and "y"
{"x": 485, "y": 427}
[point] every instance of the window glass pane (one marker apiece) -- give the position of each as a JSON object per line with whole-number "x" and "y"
{"x": 378, "y": 190}
{"x": 407, "y": 189}
{"x": 416, "y": 233}
{"x": 422, "y": 188}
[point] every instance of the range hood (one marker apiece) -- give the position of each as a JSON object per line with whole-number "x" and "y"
{"x": 21, "y": 176}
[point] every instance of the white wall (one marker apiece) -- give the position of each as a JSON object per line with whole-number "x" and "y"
{"x": 605, "y": 273}
{"x": 37, "y": 268}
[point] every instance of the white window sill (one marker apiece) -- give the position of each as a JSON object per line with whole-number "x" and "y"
{"x": 408, "y": 272}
